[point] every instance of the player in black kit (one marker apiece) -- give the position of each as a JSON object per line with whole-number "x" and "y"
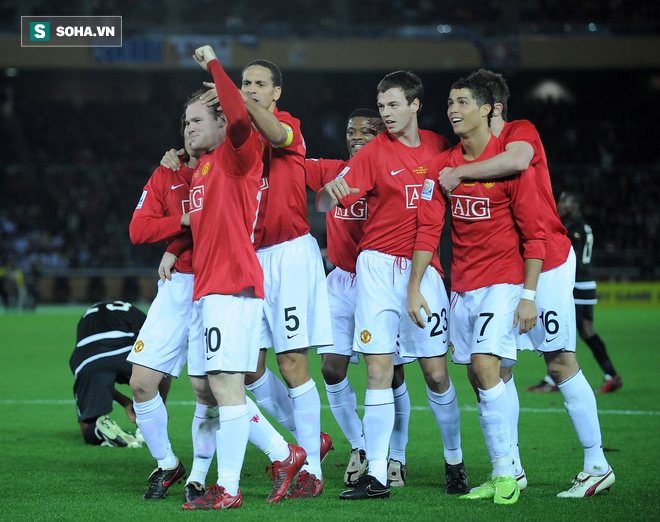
{"x": 105, "y": 335}
{"x": 584, "y": 292}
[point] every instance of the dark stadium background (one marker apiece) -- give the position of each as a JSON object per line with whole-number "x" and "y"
{"x": 82, "y": 130}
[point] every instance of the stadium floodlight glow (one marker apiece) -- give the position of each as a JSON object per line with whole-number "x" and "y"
{"x": 592, "y": 27}
{"x": 444, "y": 28}
{"x": 11, "y": 72}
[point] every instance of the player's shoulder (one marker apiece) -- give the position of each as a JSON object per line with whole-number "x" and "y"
{"x": 519, "y": 127}
{"x": 434, "y": 139}
{"x": 286, "y": 118}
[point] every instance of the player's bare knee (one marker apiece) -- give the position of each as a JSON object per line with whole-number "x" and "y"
{"x": 333, "y": 368}
{"x": 399, "y": 376}
{"x": 561, "y": 366}
{"x": 293, "y": 368}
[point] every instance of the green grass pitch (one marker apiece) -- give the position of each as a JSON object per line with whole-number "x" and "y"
{"x": 48, "y": 473}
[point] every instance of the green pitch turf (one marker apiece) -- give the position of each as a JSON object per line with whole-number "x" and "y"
{"x": 48, "y": 473}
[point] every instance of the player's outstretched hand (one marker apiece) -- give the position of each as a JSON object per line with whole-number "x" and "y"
{"x": 338, "y": 189}
{"x": 210, "y": 97}
{"x": 415, "y": 302}
{"x": 166, "y": 267}
{"x": 448, "y": 180}
{"x": 525, "y": 316}
{"x": 203, "y": 55}
{"x": 171, "y": 159}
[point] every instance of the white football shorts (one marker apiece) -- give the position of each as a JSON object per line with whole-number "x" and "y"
{"x": 382, "y": 324}
{"x": 556, "y": 328}
{"x": 481, "y": 321}
{"x": 161, "y": 344}
{"x": 296, "y": 308}
{"x": 231, "y": 332}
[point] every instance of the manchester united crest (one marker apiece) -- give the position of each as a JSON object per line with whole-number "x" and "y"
{"x": 365, "y": 336}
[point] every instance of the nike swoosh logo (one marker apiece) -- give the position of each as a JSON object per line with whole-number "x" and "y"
{"x": 371, "y": 493}
{"x": 168, "y": 483}
{"x": 394, "y": 173}
{"x": 551, "y": 339}
{"x": 510, "y": 496}
{"x": 481, "y": 340}
{"x": 177, "y": 186}
{"x": 292, "y": 336}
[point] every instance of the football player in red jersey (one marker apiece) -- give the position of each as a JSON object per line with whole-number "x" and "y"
{"x": 296, "y": 309}
{"x": 344, "y": 231}
{"x": 172, "y": 330}
{"x": 228, "y": 291}
{"x": 390, "y": 171}
{"x": 492, "y": 284}
{"x": 555, "y": 336}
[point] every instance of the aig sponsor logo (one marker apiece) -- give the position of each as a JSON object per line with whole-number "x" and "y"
{"x": 196, "y": 198}
{"x": 357, "y": 212}
{"x": 412, "y": 195}
{"x": 185, "y": 206}
{"x": 264, "y": 184}
{"x": 468, "y": 207}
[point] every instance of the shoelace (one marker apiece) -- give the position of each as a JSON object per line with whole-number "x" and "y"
{"x": 274, "y": 468}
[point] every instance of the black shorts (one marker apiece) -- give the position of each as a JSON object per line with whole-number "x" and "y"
{"x": 95, "y": 384}
{"x": 584, "y": 311}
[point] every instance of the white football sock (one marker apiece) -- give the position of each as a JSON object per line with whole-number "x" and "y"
{"x": 445, "y": 410}
{"x": 580, "y": 402}
{"x": 480, "y": 409}
{"x": 264, "y": 436}
{"x": 514, "y": 408}
{"x": 232, "y": 437}
{"x": 151, "y": 418}
{"x": 378, "y": 423}
{"x": 273, "y": 397}
{"x": 205, "y": 424}
{"x": 399, "y": 437}
{"x": 343, "y": 404}
{"x": 307, "y": 415}
{"x": 497, "y": 427}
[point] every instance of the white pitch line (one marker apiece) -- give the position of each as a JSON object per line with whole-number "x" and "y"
{"x": 32, "y": 402}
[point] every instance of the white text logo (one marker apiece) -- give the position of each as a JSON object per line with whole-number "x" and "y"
{"x": 412, "y": 195}
{"x": 357, "y": 212}
{"x": 468, "y": 207}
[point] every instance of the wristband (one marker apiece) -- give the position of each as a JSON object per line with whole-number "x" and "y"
{"x": 528, "y": 294}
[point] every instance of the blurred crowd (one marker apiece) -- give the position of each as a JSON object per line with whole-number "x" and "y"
{"x": 341, "y": 17}
{"x": 75, "y": 166}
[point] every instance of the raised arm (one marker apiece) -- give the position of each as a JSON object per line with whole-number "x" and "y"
{"x": 231, "y": 101}
{"x": 266, "y": 122}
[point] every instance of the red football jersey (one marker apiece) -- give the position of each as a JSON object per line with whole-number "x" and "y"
{"x": 157, "y": 216}
{"x": 391, "y": 175}
{"x": 345, "y": 226}
{"x": 224, "y": 199}
{"x": 489, "y": 219}
{"x": 283, "y": 207}
{"x": 557, "y": 242}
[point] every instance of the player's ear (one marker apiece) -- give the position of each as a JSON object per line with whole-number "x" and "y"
{"x": 222, "y": 120}
{"x": 497, "y": 109}
{"x": 485, "y": 109}
{"x": 278, "y": 93}
{"x": 416, "y": 105}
